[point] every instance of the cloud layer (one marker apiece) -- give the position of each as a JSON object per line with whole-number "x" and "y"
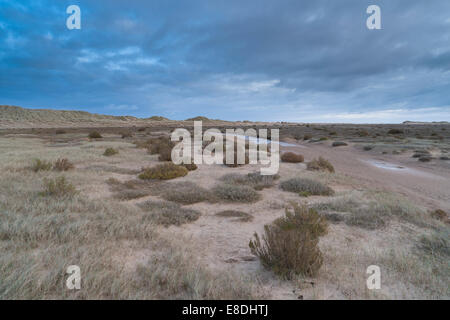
{"x": 236, "y": 60}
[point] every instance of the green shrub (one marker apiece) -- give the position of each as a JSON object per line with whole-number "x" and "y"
{"x": 289, "y": 245}
{"x": 95, "y": 135}
{"x": 236, "y": 193}
{"x": 168, "y": 213}
{"x": 292, "y": 157}
{"x": 58, "y": 187}
{"x": 110, "y": 152}
{"x": 320, "y": 164}
{"x": 63, "y": 165}
{"x": 164, "y": 171}
{"x": 312, "y": 187}
{"x": 41, "y": 165}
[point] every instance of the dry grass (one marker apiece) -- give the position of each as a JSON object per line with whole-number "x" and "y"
{"x": 168, "y": 213}
{"x": 186, "y": 193}
{"x": 306, "y": 187}
{"x": 58, "y": 187}
{"x": 292, "y": 157}
{"x": 320, "y": 164}
{"x": 165, "y": 171}
{"x": 254, "y": 179}
{"x": 236, "y": 193}
{"x": 240, "y": 215}
{"x": 40, "y": 165}
{"x": 63, "y": 164}
{"x": 110, "y": 152}
{"x": 289, "y": 245}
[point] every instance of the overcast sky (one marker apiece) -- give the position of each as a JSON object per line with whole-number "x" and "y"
{"x": 306, "y": 61}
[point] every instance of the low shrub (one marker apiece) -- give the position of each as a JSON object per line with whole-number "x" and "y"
{"x": 253, "y": 179}
{"x": 40, "y": 165}
{"x": 439, "y": 214}
{"x": 58, "y": 187}
{"x": 320, "y": 164}
{"x": 292, "y": 157}
{"x": 190, "y": 166}
{"x": 289, "y": 245}
{"x": 168, "y": 213}
{"x": 436, "y": 244}
{"x": 312, "y": 187}
{"x": 63, "y": 165}
{"x": 126, "y": 135}
{"x": 186, "y": 193}
{"x": 395, "y": 131}
{"x": 236, "y": 193}
{"x": 368, "y": 148}
{"x": 95, "y": 135}
{"x": 60, "y": 131}
{"x": 164, "y": 171}
{"x": 323, "y": 138}
{"x": 240, "y": 215}
{"x": 339, "y": 144}
{"x": 425, "y": 158}
{"x": 110, "y": 152}
{"x": 165, "y": 153}
{"x": 307, "y": 137}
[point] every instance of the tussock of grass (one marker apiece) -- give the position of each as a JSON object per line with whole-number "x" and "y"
{"x": 289, "y": 245}
{"x": 236, "y": 193}
{"x": 254, "y": 179}
{"x": 110, "y": 152}
{"x": 240, "y": 215}
{"x": 320, "y": 164}
{"x": 58, "y": 187}
{"x": 63, "y": 164}
{"x": 41, "y": 165}
{"x": 186, "y": 193}
{"x": 95, "y": 135}
{"x": 168, "y": 213}
{"x": 312, "y": 187}
{"x": 164, "y": 171}
{"x": 292, "y": 157}
{"x": 436, "y": 244}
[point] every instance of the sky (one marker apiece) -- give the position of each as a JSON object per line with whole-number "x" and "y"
{"x": 259, "y": 60}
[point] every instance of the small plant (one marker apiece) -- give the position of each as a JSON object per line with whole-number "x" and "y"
{"x": 253, "y": 179}
{"x": 60, "y": 131}
{"x": 240, "y": 215}
{"x": 141, "y": 129}
{"x": 110, "y": 152}
{"x": 236, "y": 193}
{"x": 425, "y": 158}
{"x": 292, "y": 157}
{"x": 304, "y": 194}
{"x": 41, "y": 165}
{"x": 164, "y": 171}
{"x": 168, "y": 213}
{"x": 190, "y": 166}
{"x": 63, "y": 165}
{"x": 186, "y": 193}
{"x": 95, "y": 135}
{"x": 339, "y": 144}
{"x": 436, "y": 244}
{"x": 395, "y": 131}
{"x": 368, "y": 148}
{"x": 289, "y": 245}
{"x": 58, "y": 187}
{"x": 439, "y": 214}
{"x": 323, "y": 138}
{"x": 312, "y": 187}
{"x": 320, "y": 164}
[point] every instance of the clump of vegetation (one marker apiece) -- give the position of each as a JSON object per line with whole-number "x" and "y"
{"x": 320, "y": 164}
{"x": 289, "y": 245}
{"x": 110, "y": 152}
{"x": 363, "y": 133}
{"x": 165, "y": 153}
{"x": 126, "y": 135}
{"x": 229, "y": 192}
{"x": 307, "y": 137}
{"x": 312, "y": 187}
{"x": 436, "y": 244}
{"x": 323, "y": 138}
{"x": 58, "y": 187}
{"x": 395, "y": 131}
{"x": 253, "y": 179}
{"x": 63, "y": 165}
{"x": 439, "y": 214}
{"x": 60, "y": 131}
{"x": 425, "y": 158}
{"x": 95, "y": 135}
{"x": 339, "y": 144}
{"x": 168, "y": 213}
{"x": 292, "y": 157}
{"x": 40, "y": 165}
{"x": 368, "y": 148}
{"x": 445, "y": 158}
{"x": 421, "y": 153}
{"x": 164, "y": 171}
{"x": 239, "y": 215}
{"x": 190, "y": 166}
{"x": 186, "y": 193}
{"x": 141, "y": 129}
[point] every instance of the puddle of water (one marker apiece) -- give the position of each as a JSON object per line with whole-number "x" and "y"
{"x": 385, "y": 165}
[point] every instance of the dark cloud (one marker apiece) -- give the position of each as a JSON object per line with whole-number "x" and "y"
{"x": 263, "y": 60}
